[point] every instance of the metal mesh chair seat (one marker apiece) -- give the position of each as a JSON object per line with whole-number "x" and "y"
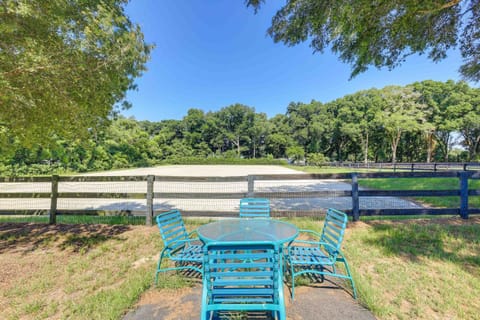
{"x": 190, "y": 253}
{"x": 309, "y": 256}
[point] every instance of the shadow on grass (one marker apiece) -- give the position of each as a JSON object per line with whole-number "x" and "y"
{"x": 28, "y": 237}
{"x": 450, "y": 240}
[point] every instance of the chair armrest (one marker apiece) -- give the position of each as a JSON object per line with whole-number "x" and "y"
{"x": 179, "y": 242}
{"x": 305, "y": 241}
{"x": 318, "y": 243}
{"x": 310, "y": 232}
{"x": 326, "y": 244}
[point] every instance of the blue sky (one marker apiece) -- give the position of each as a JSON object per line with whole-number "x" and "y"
{"x": 213, "y": 53}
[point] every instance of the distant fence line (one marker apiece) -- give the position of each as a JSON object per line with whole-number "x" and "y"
{"x": 408, "y": 166}
{"x": 54, "y": 195}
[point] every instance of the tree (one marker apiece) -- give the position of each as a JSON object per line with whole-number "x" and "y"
{"x": 193, "y": 125}
{"x": 401, "y": 113}
{"x": 382, "y": 33}
{"x": 235, "y": 121}
{"x": 436, "y": 95}
{"x": 257, "y": 132}
{"x": 465, "y": 107}
{"x": 65, "y": 66}
{"x": 296, "y": 153}
{"x": 358, "y": 115}
{"x": 279, "y": 137}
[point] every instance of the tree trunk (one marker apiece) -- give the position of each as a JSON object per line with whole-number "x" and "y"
{"x": 430, "y": 146}
{"x": 366, "y": 149}
{"x": 395, "y": 142}
{"x": 238, "y": 147}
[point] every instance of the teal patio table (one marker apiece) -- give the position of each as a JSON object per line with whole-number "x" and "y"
{"x": 245, "y": 230}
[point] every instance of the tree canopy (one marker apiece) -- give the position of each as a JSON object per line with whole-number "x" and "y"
{"x": 368, "y": 33}
{"x": 424, "y": 121}
{"x": 65, "y": 66}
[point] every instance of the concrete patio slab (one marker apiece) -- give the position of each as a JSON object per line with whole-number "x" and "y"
{"x": 322, "y": 301}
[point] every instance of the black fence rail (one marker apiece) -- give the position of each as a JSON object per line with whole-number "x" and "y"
{"x": 290, "y": 194}
{"x": 408, "y": 166}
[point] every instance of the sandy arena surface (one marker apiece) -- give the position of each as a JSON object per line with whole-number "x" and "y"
{"x": 209, "y": 203}
{"x": 200, "y": 171}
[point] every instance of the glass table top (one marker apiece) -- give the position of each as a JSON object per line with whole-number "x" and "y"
{"x": 245, "y": 229}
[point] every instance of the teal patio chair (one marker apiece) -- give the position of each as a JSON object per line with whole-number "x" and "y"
{"x": 321, "y": 256}
{"x": 254, "y": 208}
{"x": 241, "y": 278}
{"x": 184, "y": 251}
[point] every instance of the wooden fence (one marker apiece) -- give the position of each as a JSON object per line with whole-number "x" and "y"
{"x": 148, "y": 197}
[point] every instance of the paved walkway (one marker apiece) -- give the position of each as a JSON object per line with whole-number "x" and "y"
{"x": 324, "y": 301}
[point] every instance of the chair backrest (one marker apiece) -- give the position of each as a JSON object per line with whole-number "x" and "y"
{"x": 241, "y": 274}
{"x": 254, "y": 208}
{"x": 172, "y": 228}
{"x": 334, "y": 230}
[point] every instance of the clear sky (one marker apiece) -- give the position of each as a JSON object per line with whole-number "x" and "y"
{"x": 213, "y": 53}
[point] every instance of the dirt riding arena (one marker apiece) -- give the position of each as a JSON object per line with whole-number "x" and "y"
{"x": 207, "y": 204}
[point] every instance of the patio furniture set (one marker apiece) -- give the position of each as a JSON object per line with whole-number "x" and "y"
{"x": 244, "y": 261}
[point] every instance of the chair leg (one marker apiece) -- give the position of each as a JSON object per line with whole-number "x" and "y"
{"x": 158, "y": 267}
{"x": 347, "y": 269}
{"x": 292, "y": 274}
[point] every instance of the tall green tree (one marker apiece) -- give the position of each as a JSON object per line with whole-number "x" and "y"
{"x": 258, "y": 132}
{"x": 358, "y": 115}
{"x": 401, "y": 113}
{"x": 464, "y": 105}
{"x": 279, "y": 137}
{"x": 436, "y": 95}
{"x": 368, "y": 33}
{"x": 65, "y": 65}
{"x": 235, "y": 122}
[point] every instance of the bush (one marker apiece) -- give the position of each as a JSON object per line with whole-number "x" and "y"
{"x": 317, "y": 159}
{"x": 221, "y": 160}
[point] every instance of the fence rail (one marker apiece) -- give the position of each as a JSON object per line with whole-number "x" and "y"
{"x": 408, "y": 166}
{"x": 306, "y": 187}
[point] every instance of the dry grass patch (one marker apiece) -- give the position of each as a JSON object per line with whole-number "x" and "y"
{"x": 74, "y": 271}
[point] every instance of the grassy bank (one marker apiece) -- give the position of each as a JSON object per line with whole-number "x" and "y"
{"x": 423, "y": 269}
{"x": 409, "y": 184}
{"x": 425, "y": 184}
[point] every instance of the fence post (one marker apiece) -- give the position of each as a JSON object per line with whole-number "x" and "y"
{"x": 413, "y": 167}
{"x": 251, "y": 186}
{"x": 463, "y": 194}
{"x": 53, "y": 200}
{"x": 149, "y": 213}
{"x": 435, "y": 167}
{"x": 355, "y": 198}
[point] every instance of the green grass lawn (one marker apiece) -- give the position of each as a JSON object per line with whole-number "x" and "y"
{"x": 427, "y": 270}
{"x": 425, "y": 184}
{"x": 422, "y": 269}
{"x": 414, "y": 269}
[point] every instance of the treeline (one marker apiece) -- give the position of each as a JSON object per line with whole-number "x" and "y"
{"x": 418, "y": 122}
